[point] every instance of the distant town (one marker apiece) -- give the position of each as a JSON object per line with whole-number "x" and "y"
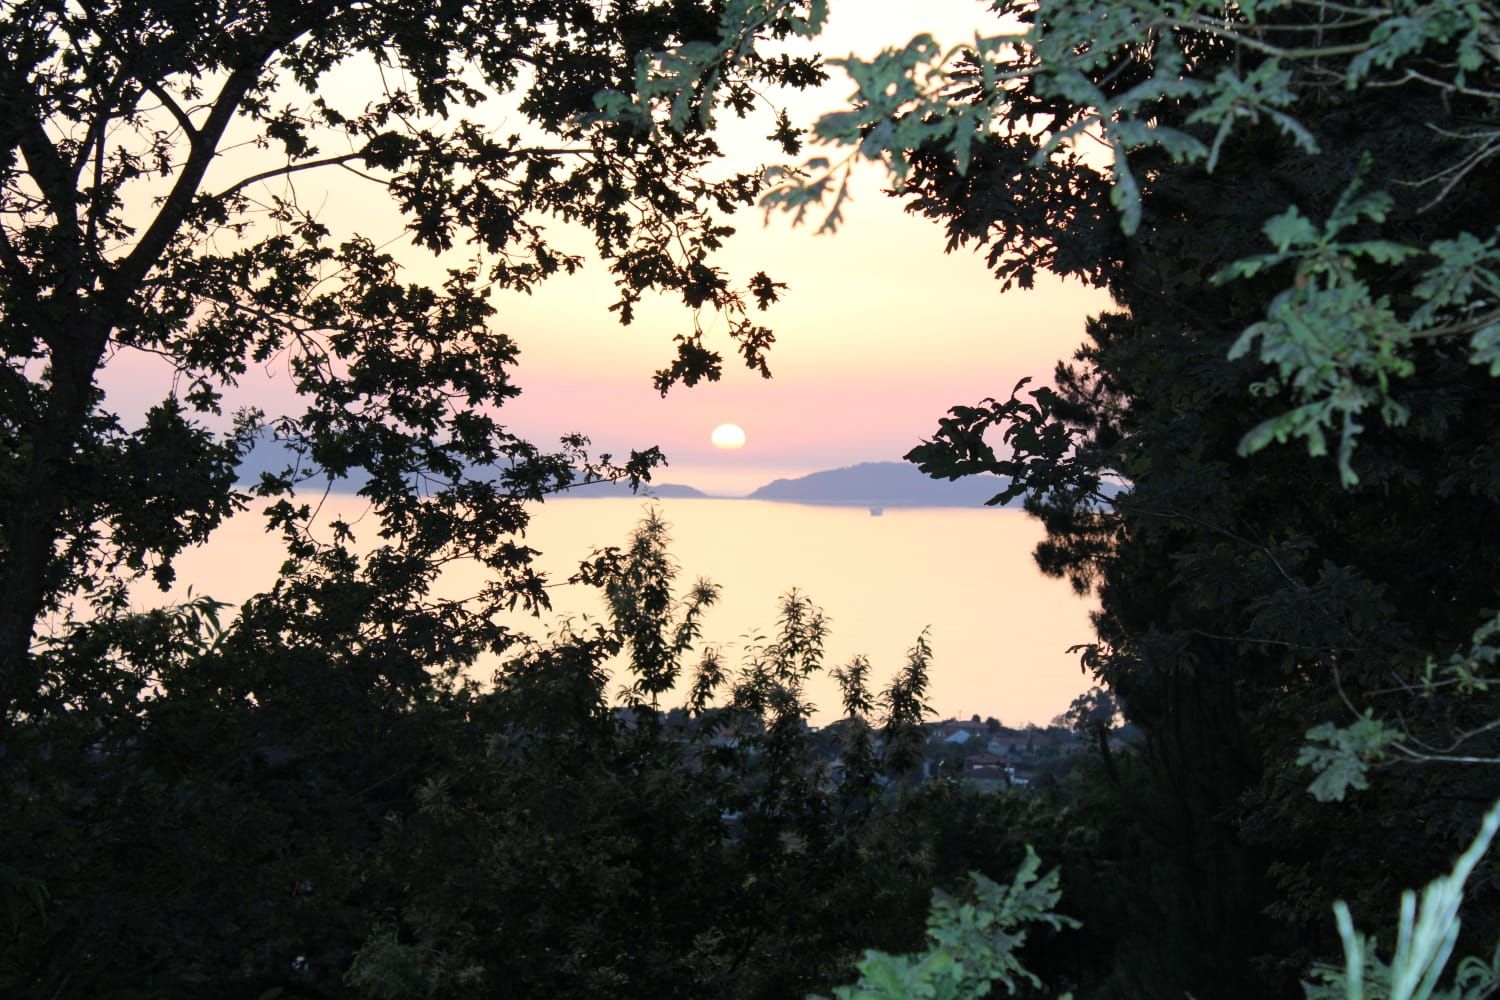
{"x": 986, "y": 755}
{"x": 981, "y": 754}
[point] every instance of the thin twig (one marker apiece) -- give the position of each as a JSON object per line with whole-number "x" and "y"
{"x": 290, "y": 168}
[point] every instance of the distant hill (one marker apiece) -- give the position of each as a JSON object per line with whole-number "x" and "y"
{"x": 869, "y": 484}
{"x": 274, "y": 458}
{"x": 882, "y": 484}
{"x": 603, "y": 489}
{"x": 269, "y": 456}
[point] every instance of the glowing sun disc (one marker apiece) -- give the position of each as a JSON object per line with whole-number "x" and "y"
{"x": 728, "y": 436}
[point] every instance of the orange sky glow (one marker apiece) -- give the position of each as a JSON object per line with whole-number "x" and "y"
{"x": 878, "y": 332}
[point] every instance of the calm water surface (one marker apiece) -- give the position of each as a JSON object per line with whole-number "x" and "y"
{"x": 999, "y": 629}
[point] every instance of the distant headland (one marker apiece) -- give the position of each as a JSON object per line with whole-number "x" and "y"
{"x": 881, "y": 484}
{"x": 876, "y": 485}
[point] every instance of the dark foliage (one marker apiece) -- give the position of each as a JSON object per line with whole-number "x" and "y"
{"x": 280, "y": 817}
{"x": 1242, "y": 600}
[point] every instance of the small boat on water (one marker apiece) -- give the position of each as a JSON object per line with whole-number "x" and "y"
{"x": 876, "y": 511}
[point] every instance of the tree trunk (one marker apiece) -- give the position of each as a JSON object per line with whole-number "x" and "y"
{"x": 33, "y": 524}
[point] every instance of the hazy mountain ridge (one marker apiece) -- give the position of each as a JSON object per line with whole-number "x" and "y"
{"x": 274, "y": 458}
{"x": 884, "y": 484}
{"x": 866, "y": 484}
{"x": 603, "y": 489}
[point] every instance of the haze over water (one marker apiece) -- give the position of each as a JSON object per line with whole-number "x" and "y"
{"x": 999, "y": 629}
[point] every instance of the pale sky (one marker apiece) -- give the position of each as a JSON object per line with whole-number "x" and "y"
{"x": 878, "y": 332}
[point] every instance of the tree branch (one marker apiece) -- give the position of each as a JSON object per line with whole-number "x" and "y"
{"x": 291, "y": 168}
{"x": 15, "y": 268}
{"x": 159, "y": 92}
{"x": 1273, "y": 642}
{"x": 1458, "y": 327}
{"x": 96, "y": 130}
{"x": 44, "y": 163}
{"x": 97, "y": 201}
{"x": 344, "y": 159}
{"x": 16, "y": 389}
{"x": 1460, "y": 738}
{"x": 128, "y": 276}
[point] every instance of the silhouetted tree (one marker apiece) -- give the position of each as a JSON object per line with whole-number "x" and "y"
{"x": 149, "y": 194}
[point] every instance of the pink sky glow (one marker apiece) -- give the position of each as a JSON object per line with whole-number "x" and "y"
{"x": 878, "y": 332}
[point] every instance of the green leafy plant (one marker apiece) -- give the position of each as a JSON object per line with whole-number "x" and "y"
{"x": 974, "y": 943}
{"x": 1425, "y": 938}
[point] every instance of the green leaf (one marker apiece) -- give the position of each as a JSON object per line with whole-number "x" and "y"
{"x": 1484, "y": 348}
{"x": 1290, "y": 229}
{"x": 1341, "y": 755}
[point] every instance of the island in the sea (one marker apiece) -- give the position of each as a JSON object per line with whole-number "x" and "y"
{"x": 601, "y": 488}
{"x": 876, "y": 485}
{"x": 881, "y": 484}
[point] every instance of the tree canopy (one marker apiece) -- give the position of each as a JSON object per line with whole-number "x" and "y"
{"x": 306, "y": 795}
{"x": 140, "y": 217}
{"x": 1296, "y": 224}
{"x": 1295, "y": 221}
